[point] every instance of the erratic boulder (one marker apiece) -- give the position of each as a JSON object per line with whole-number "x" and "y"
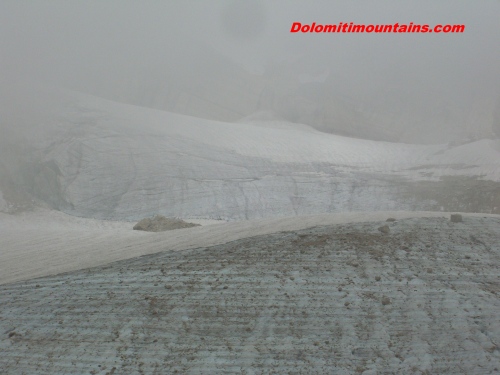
{"x": 384, "y": 229}
{"x": 456, "y": 218}
{"x": 161, "y": 223}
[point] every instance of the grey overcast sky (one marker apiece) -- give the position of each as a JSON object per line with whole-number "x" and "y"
{"x": 63, "y": 41}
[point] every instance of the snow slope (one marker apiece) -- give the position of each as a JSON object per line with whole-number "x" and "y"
{"x": 107, "y": 160}
{"x": 45, "y": 242}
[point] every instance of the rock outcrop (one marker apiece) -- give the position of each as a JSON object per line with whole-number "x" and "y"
{"x": 161, "y": 223}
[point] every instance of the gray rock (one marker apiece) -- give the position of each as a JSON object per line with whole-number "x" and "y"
{"x": 456, "y": 218}
{"x": 391, "y": 219}
{"x": 160, "y": 223}
{"x": 384, "y": 229}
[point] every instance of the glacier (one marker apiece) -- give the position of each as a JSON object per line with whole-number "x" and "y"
{"x": 101, "y": 159}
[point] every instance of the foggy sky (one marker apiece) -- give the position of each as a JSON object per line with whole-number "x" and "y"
{"x": 73, "y": 43}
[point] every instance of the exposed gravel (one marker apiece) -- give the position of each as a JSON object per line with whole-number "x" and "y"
{"x": 343, "y": 299}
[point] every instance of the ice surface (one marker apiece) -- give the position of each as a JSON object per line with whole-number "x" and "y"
{"x": 102, "y": 159}
{"x": 331, "y": 299}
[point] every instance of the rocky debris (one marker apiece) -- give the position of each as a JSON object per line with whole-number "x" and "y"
{"x": 456, "y": 218}
{"x": 384, "y": 229}
{"x": 391, "y": 219}
{"x": 161, "y": 223}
